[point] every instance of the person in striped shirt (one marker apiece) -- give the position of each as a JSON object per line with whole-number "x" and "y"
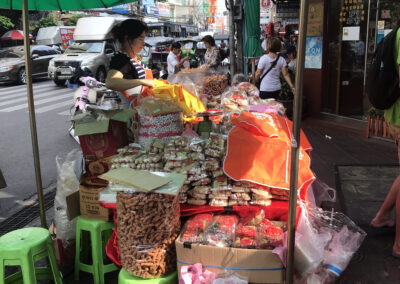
{"x": 126, "y": 70}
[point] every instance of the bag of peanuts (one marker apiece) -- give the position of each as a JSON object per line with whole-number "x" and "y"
{"x": 148, "y": 224}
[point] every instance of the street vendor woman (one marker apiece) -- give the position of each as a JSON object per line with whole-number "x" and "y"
{"x": 211, "y": 58}
{"x": 126, "y": 70}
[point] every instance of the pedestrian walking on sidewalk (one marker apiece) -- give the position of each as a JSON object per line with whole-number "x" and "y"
{"x": 269, "y": 70}
{"x": 392, "y": 200}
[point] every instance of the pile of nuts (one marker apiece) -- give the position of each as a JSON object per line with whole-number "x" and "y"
{"x": 148, "y": 224}
{"x": 214, "y": 86}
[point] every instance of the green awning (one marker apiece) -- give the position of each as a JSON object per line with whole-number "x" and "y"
{"x": 56, "y": 5}
{"x": 252, "y": 16}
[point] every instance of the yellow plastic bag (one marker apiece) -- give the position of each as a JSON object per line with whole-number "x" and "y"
{"x": 190, "y": 104}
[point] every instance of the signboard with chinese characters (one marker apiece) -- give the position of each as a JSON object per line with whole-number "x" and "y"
{"x": 313, "y": 58}
{"x": 353, "y": 12}
{"x": 315, "y": 23}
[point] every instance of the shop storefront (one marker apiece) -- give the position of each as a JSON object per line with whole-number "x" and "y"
{"x": 353, "y": 28}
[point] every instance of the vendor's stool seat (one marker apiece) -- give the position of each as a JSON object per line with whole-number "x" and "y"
{"x": 95, "y": 228}
{"x": 24, "y": 247}
{"x": 127, "y": 278}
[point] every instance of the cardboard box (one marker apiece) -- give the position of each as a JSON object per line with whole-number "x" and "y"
{"x": 100, "y": 138}
{"x": 89, "y": 203}
{"x": 259, "y": 266}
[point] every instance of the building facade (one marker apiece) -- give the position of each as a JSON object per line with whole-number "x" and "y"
{"x": 341, "y": 39}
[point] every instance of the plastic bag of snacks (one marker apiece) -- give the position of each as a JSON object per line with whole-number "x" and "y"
{"x": 162, "y": 126}
{"x": 271, "y": 236}
{"x": 193, "y": 232}
{"x": 221, "y": 231}
{"x": 147, "y": 236}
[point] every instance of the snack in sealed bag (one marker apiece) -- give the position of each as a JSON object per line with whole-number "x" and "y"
{"x": 216, "y": 141}
{"x": 193, "y": 231}
{"x": 210, "y": 164}
{"x": 192, "y": 201}
{"x": 201, "y": 189}
{"x": 245, "y": 242}
{"x": 196, "y": 145}
{"x": 196, "y": 195}
{"x": 219, "y": 202}
{"x": 270, "y": 237}
{"x": 256, "y": 219}
{"x": 246, "y": 231}
{"x": 261, "y": 194}
{"x": 265, "y": 202}
{"x": 221, "y": 231}
{"x": 241, "y": 196}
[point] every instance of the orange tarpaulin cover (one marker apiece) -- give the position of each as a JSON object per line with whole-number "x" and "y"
{"x": 259, "y": 151}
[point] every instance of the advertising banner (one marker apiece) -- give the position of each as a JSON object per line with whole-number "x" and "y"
{"x": 67, "y": 36}
{"x": 151, "y": 10}
{"x": 313, "y": 52}
{"x": 163, "y": 9}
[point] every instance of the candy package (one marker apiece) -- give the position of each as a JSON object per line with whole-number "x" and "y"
{"x": 221, "y": 231}
{"x": 193, "y": 231}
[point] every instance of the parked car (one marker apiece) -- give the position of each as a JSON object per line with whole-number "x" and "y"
{"x": 92, "y": 49}
{"x": 12, "y": 62}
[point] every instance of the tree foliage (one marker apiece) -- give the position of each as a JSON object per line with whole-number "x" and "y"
{"x": 46, "y": 22}
{"x": 73, "y": 19}
{"x": 5, "y": 24}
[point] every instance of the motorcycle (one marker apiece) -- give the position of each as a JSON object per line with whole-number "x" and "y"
{"x": 90, "y": 95}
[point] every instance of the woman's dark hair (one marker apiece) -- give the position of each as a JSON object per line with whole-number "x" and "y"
{"x": 129, "y": 29}
{"x": 176, "y": 45}
{"x": 275, "y": 45}
{"x": 209, "y": 39}
{"x": 291, "y": 50}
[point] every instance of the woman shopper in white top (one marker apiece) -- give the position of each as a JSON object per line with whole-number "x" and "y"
{"x": 270, "y": 86}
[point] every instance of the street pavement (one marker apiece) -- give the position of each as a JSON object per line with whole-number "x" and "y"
{"x": 52, "y": 104}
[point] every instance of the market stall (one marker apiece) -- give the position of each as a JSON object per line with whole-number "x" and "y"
{"x": 191, "y": 182}
{"x": 221, "y": 187}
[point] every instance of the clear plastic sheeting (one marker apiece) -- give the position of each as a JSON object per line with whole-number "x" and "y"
{"x": 68, "y": 172}
{"x": 329, "y": 241}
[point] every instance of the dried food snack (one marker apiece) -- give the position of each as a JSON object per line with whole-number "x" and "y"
{"x": 146, "y": 237}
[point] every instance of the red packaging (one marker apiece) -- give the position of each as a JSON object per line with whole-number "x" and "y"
{"x": 245, "y": 242}
{"x": 246, "y": 231}
{"x": 271, "y": 237}
{"x": 194, "y": 228}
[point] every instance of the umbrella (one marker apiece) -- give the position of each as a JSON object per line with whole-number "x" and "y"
{"x": 14, "y": 35}
{"x": 47, "y": 5}
{"x": 253, "y": 45}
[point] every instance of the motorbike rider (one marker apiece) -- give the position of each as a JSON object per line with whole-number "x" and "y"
{"x": 126, "y": 70}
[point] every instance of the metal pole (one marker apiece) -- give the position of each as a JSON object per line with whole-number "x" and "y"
{"x": 31, "y": 107}
{"x": 294, "y": 166}
{"x": 376, "y": 23}
{"x": 366, "y": 47}
{"x": 231, "y": 39}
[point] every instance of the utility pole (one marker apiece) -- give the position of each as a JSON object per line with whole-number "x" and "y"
{"x": 239, "y": 37}
{"x": 231, "y": 37}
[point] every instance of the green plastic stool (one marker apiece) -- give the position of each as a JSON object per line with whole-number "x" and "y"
{"x": 24, "y": 247}
{"x": 95, "y": 228}
{"x": 127, "y": 278}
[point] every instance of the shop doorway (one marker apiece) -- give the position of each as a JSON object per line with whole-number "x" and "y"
{"x": 354, "y": 27}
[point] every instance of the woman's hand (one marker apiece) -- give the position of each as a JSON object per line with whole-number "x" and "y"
{"x": 293, "y": 90}
{"x": 149, "y": 83}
